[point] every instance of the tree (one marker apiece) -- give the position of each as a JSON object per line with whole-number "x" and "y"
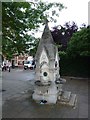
{"x": 62, "y": 34}
{"x": 20, "y": 17}
{"x": 79, "y": 43}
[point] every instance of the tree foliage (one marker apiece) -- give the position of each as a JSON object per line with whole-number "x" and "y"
{"x": 79, "y": 43}
{"x": 20, "y": 17}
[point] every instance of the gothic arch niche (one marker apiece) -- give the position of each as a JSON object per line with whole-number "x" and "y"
{"x": 44, "y": 68}
{"x": 43, "y": 57}
{"x": 56, "y": 60}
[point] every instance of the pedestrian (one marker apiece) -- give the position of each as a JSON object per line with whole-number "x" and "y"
{"x": 9, "y": 66}
{"x": 4, "y": 66}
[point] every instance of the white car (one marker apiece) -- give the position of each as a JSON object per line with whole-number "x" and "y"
{"x": 29, "y": 64}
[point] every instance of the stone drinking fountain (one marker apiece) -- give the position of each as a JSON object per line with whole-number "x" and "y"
{"x": 48, "y": 83}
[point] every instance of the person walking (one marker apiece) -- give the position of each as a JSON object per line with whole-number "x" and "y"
{"x": 9, "y": 66}
{"x": 4, "y": 66}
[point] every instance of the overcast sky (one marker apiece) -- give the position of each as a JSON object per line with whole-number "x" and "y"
{"x": 77, "y": 11}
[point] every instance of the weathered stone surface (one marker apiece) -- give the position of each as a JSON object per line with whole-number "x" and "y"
{"x": 47, "y": 68}
{"x": 46, "y": 43}
{"x": 65, "y": 96}
{"x": 60, "y": 81}
{"x": 48, "y": 83}
{"x": 72, "y": 100}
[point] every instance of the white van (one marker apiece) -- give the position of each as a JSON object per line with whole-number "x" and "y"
{"x": 29, "y": 64}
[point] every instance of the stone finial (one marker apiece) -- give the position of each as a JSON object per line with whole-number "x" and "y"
{"x": 46, "y": 21}
{"x": 47, "y": 36}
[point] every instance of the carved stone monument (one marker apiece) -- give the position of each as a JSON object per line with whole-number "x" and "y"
{"x": 48, "y": 83}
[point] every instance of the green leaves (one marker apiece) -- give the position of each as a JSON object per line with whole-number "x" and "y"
{"x": 20, "y": 17}
{"x": 79, "y": 43}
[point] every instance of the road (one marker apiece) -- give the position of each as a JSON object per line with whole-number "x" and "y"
{"x": 16, "y": 82}
{"x": 17, "y": 102}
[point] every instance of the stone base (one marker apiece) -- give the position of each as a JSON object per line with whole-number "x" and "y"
{"x": 67, "y": 98}
{"x": 50, "y": 98}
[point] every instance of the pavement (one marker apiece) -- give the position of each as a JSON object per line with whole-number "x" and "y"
{"x": 17, "y": 102}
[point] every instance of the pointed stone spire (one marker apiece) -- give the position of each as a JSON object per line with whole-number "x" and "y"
{"x": 46, "y": 36}
{"x": 46, "y": 42}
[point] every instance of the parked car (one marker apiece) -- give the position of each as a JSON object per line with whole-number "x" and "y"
{"x": 29, "y": 64}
